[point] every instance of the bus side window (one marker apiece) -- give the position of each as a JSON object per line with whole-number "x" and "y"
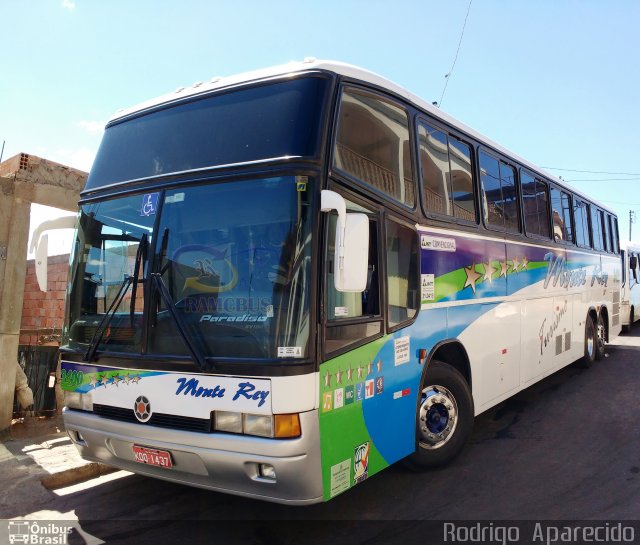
{"x": 596, "y": 228}
{"x": 581, "y": 223}
{"x": 447, "y": 178}
{"x": 492, "y": 204}
{"x": 607, "y": 232}
{"x": 402, "y": 273}
{"x": 561, "y": 207}
{"x": 509, "y": 198}
{"x": 372, "y": 144}
{"x": 613, "y": 234}
{"x": 535, "y": 205}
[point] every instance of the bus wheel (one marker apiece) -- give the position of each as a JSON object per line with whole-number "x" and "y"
{"x": 600, "y": 338}
{"x": 444, "y": 417}
{"x": 590, "y": 342}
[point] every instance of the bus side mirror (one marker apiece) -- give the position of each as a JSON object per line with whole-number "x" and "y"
{"x": 351, "y": 245}
{"x": 41, "y": 262}
{"x": 633, "y": 265}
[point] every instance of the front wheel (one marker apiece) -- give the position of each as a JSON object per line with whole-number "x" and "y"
{"x": 444, "y": 417}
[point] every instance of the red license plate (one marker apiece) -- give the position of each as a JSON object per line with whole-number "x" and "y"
{"x": 152, "y": 457}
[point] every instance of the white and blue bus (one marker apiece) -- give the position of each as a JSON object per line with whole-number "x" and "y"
{"x": 285, "y": 281}
{"x": 630, "y": 293}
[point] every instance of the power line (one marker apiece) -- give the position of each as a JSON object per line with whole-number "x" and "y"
{"x": 605, "y": 180}
{"x": 447, "y": 76}
{"x": 594, "y": 171}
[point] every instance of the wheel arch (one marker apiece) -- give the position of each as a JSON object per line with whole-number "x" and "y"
{"x": 452, "y": 352}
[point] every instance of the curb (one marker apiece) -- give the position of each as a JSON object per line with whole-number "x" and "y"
{"x": 76, "y": 475}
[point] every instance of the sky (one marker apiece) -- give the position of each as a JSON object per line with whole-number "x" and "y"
{"x": 555, "y": 81}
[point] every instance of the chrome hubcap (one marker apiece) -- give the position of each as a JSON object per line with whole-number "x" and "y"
{"x": 438, "y": 416}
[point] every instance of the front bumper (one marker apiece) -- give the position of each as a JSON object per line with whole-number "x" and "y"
{"x": 221, "y": 462}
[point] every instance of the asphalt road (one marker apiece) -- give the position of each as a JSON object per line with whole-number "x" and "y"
{"x": 566, "y": 448}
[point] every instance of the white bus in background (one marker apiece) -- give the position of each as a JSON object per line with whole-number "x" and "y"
{"x": 630, "y": 292}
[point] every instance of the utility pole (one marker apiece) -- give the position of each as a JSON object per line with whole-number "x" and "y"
{"x": 632, "y": 219}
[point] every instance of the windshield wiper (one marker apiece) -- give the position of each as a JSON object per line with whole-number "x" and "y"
{"x": 141, "y": 257}
{"x": 180, "y": 325}
{"x": 106, "y": 319}
{"x": 141, "y": 254}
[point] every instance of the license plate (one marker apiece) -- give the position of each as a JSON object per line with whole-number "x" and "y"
{"x": 152, "y": 457}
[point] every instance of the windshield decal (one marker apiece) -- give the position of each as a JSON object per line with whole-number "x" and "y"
{"x": 149, "y": 204}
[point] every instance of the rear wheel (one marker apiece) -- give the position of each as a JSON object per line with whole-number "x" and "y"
{"x": 590, "y": 342}
{"x": 600, "y": 338}
{"x": 444, "y": 417}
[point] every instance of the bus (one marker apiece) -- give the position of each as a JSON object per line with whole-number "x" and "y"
{"x": 285, "y": 281}
{"x": 630, "y": 292}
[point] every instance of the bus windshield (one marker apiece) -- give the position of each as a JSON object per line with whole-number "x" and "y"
{"x": 234, "y": 257}
{"x": 271, "y": 120}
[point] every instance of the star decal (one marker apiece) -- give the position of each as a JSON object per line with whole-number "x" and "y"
{"x": 338, "y": 376}
{"x": 504, "y": 268}
{"x": 116, "y": 379}
{"x": 126, "y": 379}
{"x": 525, "y": 262}
{"x": 360, "y": 369}
{"x": 93, "y": 381}
{"x": 472, "y": 277}
{"x": 349, "y": 374}
{"x": 488, "y": 271}
{"x": 369, "y": 368}
{"x": 135, "y": 378}
{"x": 379, "y": 366}
{"x": 515, "y": 264}
{"x": 327, "y": 380}
{"x": 102, "y": 381}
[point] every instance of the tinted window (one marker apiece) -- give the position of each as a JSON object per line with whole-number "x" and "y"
{"x": 373, "y": 145}
{"x": 271, "y": 120}
{"x": 606, "y": 232}
{"x": 462, "y": 180}
{"x": 535, "y": 205}
{"x": 561, "y": 207}
{"x": 434, "y": 160}
{"x": 447, "y": 178}
{"x": 613, "y": 236}
{"x": 581, "y": 223}
{"x": 596, "y": 228}
{"x": 509, "y": 197}
{"x": 402, "y": 273}
{"x": 492, "y": 209}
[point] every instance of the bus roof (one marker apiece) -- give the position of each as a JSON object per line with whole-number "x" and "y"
{"x": 342, "y": 69}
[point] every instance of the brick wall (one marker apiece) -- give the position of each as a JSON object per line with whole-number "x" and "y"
{"x": 43, "y": 313}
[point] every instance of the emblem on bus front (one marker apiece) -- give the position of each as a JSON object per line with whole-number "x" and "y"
{"x": 142, "y": 409}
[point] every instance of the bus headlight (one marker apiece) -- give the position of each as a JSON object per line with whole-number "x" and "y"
{"x": 257, "y": 424}
{"x": 279, "y": 426}
{"x": 76, "y": 400}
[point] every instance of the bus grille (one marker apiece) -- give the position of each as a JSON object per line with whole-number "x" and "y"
{"x": 172, "y": 421}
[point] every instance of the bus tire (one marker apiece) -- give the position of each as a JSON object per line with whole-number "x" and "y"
{"x": 590, "y": 342}
{"x": 444, "y": 417}
{"x": 600, "y": 338}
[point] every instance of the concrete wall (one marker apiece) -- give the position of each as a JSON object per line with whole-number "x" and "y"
{"x": 23, "y": 179}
